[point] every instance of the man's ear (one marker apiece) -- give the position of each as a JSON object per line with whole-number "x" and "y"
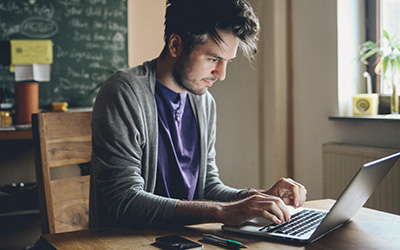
{"x": 175, "y": 45}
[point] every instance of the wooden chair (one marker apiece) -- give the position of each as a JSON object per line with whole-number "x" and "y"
{"x": 62, "y": 139}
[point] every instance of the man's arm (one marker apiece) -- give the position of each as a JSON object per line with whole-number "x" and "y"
{"x": 270, "y": 204}
{"x": 232, "y": 213}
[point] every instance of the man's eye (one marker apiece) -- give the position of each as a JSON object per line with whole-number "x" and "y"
{"x": 214, "y": 59}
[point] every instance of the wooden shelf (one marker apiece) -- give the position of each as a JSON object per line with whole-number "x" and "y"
{"x": 16, "y": 135}
{"x": 391, "y": 118}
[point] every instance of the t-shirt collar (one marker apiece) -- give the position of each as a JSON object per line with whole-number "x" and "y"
{"x": 175, "y": 101}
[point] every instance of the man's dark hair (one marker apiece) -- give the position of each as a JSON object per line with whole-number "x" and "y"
{"x": 196, "y": 20}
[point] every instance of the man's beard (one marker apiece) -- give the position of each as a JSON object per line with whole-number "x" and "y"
{"x": 180, "y": 74}
{"x": 180, "y": 69}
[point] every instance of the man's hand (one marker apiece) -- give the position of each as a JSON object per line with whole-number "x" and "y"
{"x": 270, "y": 204}
{"x": 291, "y": 192}
{"x": 258, "y": 205}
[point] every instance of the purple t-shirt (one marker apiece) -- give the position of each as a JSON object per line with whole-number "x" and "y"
{"x": 178, "y": 145}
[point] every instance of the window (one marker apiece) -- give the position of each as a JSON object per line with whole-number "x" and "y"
{"x": 381, "y": 14}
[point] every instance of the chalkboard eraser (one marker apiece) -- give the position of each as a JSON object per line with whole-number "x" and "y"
{"x": 60, "y": 106}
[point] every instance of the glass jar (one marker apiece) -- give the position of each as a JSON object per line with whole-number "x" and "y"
{"x": 5, "y": 118}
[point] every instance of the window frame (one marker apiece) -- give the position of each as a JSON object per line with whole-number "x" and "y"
{"x": 373, "y": 33}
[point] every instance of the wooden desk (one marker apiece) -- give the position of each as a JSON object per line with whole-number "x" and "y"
{"x": 360, "y": 233}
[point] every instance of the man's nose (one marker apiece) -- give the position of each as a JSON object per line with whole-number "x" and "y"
{"x": 220, "y": 70}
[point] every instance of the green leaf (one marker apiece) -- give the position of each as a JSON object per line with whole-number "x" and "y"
{"x": 397, "y": 44}
{"x": 386, "y": 35}
{"x": 369, "y": 44}
{"x": 385, "y": 63}
{"x": 370, "y": 53}
{"x": 398, "y": 63}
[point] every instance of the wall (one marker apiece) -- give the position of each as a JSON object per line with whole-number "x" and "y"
{"x": 315, "y": 66}
{"x": 252, "y": 107}
{"x": 351, "y": 33}
{"x": 238, "y": 125}
{"x": 146, "y": 30}
{"x": 251, "y": 137}
{"x": 315, "y": 87}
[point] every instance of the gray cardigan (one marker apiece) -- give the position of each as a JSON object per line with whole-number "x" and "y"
{"x": 124, "y": 160}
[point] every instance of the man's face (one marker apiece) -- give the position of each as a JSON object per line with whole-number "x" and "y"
{"x": 206, "y": 63}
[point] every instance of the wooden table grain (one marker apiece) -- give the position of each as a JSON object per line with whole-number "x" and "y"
{"x": 369, "y": 229}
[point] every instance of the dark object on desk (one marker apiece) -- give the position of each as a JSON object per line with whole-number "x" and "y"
{"x": 175, "y": 242}
{"x": 18, "y": 196}
{"x": 209, "y": 238}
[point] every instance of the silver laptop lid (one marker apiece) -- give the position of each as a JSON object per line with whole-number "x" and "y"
{"x": 356, "y": 194}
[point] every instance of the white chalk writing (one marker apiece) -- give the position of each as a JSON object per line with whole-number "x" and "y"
{"x": 89, "y": 42}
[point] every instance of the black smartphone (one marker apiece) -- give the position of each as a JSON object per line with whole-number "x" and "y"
{"x": 175, "y": 242}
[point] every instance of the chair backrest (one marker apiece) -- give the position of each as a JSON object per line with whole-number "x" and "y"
{"x": 62, "y": 139}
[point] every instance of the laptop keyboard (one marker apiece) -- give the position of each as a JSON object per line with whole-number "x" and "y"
{"x": 299, "y": 224}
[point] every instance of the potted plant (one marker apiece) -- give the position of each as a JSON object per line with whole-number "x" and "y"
{"x": 388, "y": 53}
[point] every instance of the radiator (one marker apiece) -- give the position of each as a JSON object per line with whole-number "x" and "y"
{"x": 340, "y": 163}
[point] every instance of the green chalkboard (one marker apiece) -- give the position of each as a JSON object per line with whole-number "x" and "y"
{"x": 89, "y": 42}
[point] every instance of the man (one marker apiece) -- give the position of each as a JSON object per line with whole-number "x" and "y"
{"x": 154, "y": 129}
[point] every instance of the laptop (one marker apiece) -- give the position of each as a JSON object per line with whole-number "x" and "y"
{"x": 308, "y": 225}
